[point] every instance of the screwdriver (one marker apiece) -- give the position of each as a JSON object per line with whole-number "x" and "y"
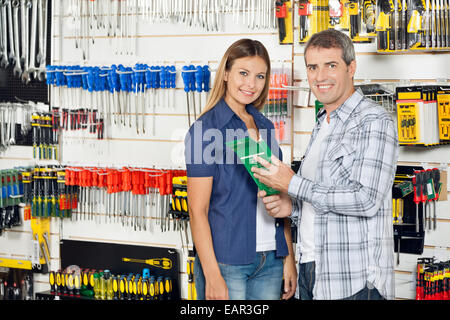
{"x": 423, "y": 196}
{"x": 436, "y": 176}
{"x": 163, "y": 263}
{"x": 429, "y": 190}
{"x": 51, "y": 280}
{"x": 199, "y": 75}
{"x": 205, "y": 83}
{"x": 416, "y": 180}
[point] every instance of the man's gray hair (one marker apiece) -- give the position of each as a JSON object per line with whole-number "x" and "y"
{"x": 332, "y": 38}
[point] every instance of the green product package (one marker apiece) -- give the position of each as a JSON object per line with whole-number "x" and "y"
{"x": 246, "y": 149}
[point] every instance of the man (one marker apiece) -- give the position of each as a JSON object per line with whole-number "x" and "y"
{"x": 340, "y": 198}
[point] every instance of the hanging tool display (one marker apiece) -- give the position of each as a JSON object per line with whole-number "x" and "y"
{"x": 131, "y": 196}
{"x": 11, "y": 198}
{"x": 45, "y": 192}
{"x": 179, "y": 208}
{"x": 277, "y": 108}
{"x": 421, "y": 116}
{"x": 304, "y": 10}
{"x": 443, "y": 105}
{"x": 23, "y": 38}
{"x": 118, "y": 20}
{"x": 44, "y": 136}
{"x": 408, "y": 225}
{"x": 412, "y": 25}
{"x": 15, "y": 124}
{"x": 352, "y": 17}
{"x": 433, "y": 279}
{"x": 91, "y": 101}
{"x": 427, "y": 190}
{"x": 196, "y": 80}
{"x": 106, "y": 285}
{"x": 284, "y": 16}
{"x": 414, "y": 197}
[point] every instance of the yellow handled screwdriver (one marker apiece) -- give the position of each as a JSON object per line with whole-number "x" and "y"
{"x": 163, "y": 263}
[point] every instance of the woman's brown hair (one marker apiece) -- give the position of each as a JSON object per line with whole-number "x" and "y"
{"x": 239, "y": 49}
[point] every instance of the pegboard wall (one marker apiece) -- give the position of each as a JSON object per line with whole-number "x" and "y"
{"x": 161, "y": 146}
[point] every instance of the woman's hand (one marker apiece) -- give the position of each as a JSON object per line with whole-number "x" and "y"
{"x": 216, "y": 288}
{"x": 290, "y": 277}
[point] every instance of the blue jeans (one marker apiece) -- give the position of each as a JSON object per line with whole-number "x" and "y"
{"x": 260, "y": 280}
{"x": 306, "y": 280}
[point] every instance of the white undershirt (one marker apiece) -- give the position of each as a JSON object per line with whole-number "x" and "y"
{"x": 308, "y": 171}
{"x": 265, "y": 228}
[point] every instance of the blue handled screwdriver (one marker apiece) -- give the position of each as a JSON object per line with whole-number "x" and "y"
{"x": 192, "y": 86}
{"x": 205, "y": 83}
{"x": 172, "y": 84}
{"x": 198, "y": 84}
{"x": 186, "y": 78}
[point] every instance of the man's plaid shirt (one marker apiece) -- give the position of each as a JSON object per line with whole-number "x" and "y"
{"x": 352, "y": 199}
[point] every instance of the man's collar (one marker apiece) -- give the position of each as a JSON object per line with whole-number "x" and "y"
{"x": 345, "y": 109}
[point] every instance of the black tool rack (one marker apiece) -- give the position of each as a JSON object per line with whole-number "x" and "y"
{"x": 101, "y": 256}
{"x": 405, "y": 232}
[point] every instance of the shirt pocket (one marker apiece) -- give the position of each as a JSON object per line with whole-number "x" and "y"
{"x": 342, "y": 158}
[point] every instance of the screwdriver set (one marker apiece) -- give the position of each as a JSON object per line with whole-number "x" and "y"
{"x": 412, "y": 25}
{"x": 88, "y": 99}
{"x": 277, "y": 107}
{"x": 443, "y": 105}
{"x": 44, "y": 136}
{"x": 196, "y": 80}
{"x": 422, "y": 116}
{"x": 433, "y": 279}
{"x": 133, "y": 196}
{"x": 179, "y": 210}
{"x": 75, "y": 282}
{"x": 11, "y": 191}
{"x": 355, "y": 18}
{"x": 396, "y": 25}
{"x": 414, "y": 197}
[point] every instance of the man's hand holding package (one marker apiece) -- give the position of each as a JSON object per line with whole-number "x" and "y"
{"x": 278, "y": 176}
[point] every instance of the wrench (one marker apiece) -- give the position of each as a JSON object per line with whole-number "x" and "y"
{"x": 3, "y": 44}
{"x": 17, "y": 68}
{"x": 31, "y": 68}
{"x": 42, "y": 59}
{"x": 12, "y": 55}
{"x": 26, "y": 36}
{"x": 41, "y": 35}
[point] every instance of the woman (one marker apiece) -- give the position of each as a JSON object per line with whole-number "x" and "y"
{"x": 242, "y": 252}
